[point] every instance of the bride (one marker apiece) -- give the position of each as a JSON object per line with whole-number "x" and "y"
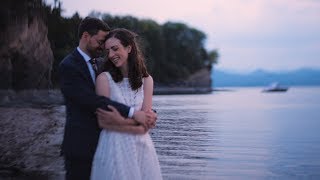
{"x": 126, "y": 151}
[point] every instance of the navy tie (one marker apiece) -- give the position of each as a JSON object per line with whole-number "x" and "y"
{"x": 93, "y": 62}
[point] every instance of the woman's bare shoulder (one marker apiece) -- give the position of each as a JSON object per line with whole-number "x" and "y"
{"x": 148, "y": 80}
{"x": 102, "y": 76}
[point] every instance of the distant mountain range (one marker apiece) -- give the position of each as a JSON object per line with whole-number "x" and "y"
{"x": 300, "y": 77}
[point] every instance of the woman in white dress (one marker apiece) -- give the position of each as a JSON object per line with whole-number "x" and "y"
{"x": 125, "y": 151}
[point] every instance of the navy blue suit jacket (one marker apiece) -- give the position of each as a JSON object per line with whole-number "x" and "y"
{"x": 81, "y": 129}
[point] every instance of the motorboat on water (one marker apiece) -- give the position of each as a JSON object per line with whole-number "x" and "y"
{"x": 275, "y": 87}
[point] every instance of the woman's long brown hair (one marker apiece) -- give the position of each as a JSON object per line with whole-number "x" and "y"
{"x": 136, "y": 64}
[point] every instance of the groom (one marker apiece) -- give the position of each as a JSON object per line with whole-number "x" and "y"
{"x": 77, "y": 82}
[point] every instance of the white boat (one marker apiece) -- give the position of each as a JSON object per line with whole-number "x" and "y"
{"x": 275, "y": 87}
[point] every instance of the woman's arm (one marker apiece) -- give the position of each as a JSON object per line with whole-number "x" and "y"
{"x": 147, "y": 102}
{"x": 133, "y": 128}
{"x": 148, "y": 92}
{"x": 103, "y": 89}
{"x": 102, "y": 85}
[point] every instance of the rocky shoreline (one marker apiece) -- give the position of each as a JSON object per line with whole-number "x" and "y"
{"x": 30, "y": 141}
{"x": 181, "y": 90}
{"x": 32, "y": 124}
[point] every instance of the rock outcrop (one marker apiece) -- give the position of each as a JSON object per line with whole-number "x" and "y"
{"x": 201, "y": 78}
{"x": 25, "y": 54}
{"x": 197, "y": 83}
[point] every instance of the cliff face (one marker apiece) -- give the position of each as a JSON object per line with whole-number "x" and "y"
{"x": 25, "y": 54}
{"x": 201, "y": 78}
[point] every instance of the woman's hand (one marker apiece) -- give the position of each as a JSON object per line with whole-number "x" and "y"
{"x": 146, "y": 118}
{"x": 151, "y": 119}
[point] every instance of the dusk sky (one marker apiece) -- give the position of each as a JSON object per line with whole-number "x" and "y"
{"x": 275, "y": 35}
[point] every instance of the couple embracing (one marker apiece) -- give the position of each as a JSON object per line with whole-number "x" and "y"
{"x": 108, "y": 107}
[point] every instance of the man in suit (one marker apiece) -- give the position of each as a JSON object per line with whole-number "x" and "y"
{"x": 77, "y": 82}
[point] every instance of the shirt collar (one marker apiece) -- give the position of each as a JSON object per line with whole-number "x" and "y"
{"x": 83, "y": 54}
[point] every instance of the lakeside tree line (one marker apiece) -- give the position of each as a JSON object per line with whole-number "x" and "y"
{"x": 173, "y": 50}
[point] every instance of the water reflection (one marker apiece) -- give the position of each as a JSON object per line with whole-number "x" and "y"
{"x": 184, "y": 137}
{"x": 242, "y": 134}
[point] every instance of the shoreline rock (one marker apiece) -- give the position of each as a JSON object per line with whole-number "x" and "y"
{"x": 181, "y": 90}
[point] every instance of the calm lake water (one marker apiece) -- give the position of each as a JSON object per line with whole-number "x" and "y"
{"x": 239, "y": 134}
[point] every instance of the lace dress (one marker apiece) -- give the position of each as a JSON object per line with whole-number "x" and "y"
{"x": 122, "y": 156}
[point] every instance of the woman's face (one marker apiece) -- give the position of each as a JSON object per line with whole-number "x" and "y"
{"x": 116, "y": 52}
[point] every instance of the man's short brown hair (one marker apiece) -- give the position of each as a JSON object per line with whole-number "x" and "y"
{"x": 92, "y": 25}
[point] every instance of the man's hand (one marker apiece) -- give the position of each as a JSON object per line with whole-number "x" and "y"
{"x": 147, "y": 119}
{"x": 107, "y": 118}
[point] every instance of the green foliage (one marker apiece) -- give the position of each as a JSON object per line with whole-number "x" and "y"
{"x": 173, "y": 50}
{"x": 62, "y": 34}
{"x": 184, "y": 49}
{"x": 213, "y": 57}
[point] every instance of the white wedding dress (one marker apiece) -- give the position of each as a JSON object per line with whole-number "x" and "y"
{"x": 124, "y": 156}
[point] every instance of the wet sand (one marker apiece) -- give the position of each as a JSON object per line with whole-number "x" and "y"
{"x": 30, "y": 140}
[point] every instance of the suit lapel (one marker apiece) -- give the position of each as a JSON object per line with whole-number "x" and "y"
{"x": 80, "y": 62}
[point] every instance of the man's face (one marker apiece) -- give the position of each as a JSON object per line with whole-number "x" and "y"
{"x": 95, "y": 46}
